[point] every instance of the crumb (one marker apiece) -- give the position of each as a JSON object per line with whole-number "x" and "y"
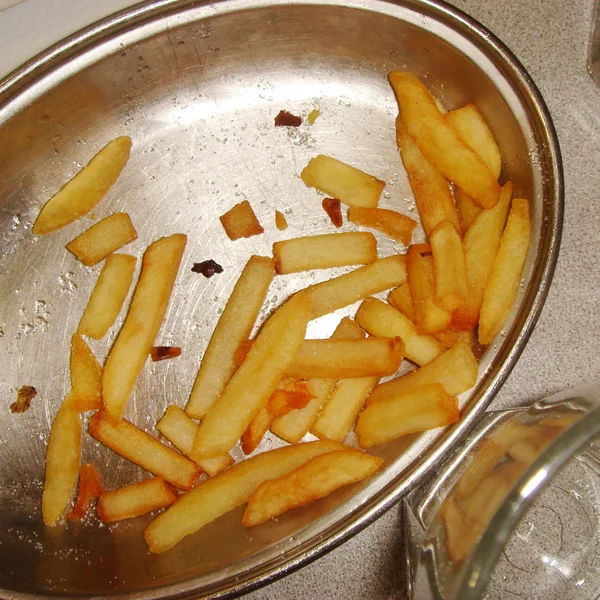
{"x": 333, "y": 208}
{"x": 24, "y": 397}
{"x": 280, "y": 220}
{"x": 208, "y": 268}
{"x": 313, "y": 115}
{"x": 163, "y": 352}
{"x": 287, "y": 119}
{"x": 241, "y": 222}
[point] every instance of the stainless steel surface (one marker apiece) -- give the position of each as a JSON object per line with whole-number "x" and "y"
{"x": 594, "y": 52}
{"x": 197, "y": 87}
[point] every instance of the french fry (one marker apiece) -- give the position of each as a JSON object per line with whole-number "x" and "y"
{"x": 84, "y": 191}
{"x": 455, "y": 369}
{"x": 316, "y": 478}
{"x": 481, "y": 245}
{"x": 135, "y": 500}
{"x": 180, "y": 430}
{"x": 90, "y": 487}
{"x": 144, "y": 450}
{"x": 226, "y": 491}
{"x": 451, "y": 337}
{"x": 343, "y": 359}
{"x": 467, "y": 208}
{"x": 108, "y": 296}
{"x": 413, "y": 411}
{"x": 136, "y": 338}
{"x": 379, "y": 318}
{"x": 103, "y": 238}
{"x": 394, "y": 224}
{"x": 343, "y": 182}
{"x": 429, "y": 316}
{"x": 401, "y": 299}
{"x": 86, "y": 376}
{"x": 501, "y": 289}
{"x": 324, "y": 251}
{"x": 234, "y": 326}
{"x": 433, "y": 196}
{"x": 241, "y": 222}
{"x": 293, "y": 426}
{"x": 383, "y": 274}
{"x": 483, "y": 462}
{"x": 256, "y": 430}
{"x": 250, "y": 387}
{"x": 63, "y": 456}
{"x": 439, "y": 142}
{"x": 449, "y": 270}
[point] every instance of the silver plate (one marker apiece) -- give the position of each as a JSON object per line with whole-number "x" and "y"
{"x": 197, "y": 86}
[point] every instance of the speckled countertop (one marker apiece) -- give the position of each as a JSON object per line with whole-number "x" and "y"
{"x": 551, "y": 38}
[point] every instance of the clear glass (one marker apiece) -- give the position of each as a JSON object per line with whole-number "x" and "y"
{"x": 515, "y": 512}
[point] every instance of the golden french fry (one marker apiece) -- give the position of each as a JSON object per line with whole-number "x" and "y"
{"x": 250, "y": 387}
{"x": 433, "y": 196}
{"x": 226, "y": 491}
{"x": 82, "y": 193}
{"x": 90, "y": 487}
{"x": 379, "y": 319}
{"x": 103, "y": 238}
{"x": 415, "y": 410}
{"x": 255, "y": 431}
{"x": 401, "y": 299}
{"x": 86, "y": 376}
{"x": 394, "y": 224}
{"x": 449, "y": 270}
{"x": 180, "y": 430}
{"x": 467, "y": 209}
{"x": 135, "y": 500}
{"x": 347, "y": 289}
{"x": 241, "y": 222}
{"x": 324, "y": 251}
{"x": 136, "y": 338}
{"x": 144, "y": 450}
{"x": 440, "y": 143}
{"x": 429, "y": 316}
{"x": 450, "y": 337}
{"x": 455, "y": 369}
{"x": 503, "y": 282}
{"x": 316, "y": 478}
{"x": 63, "y": 456}
{"x": 108, "y": 296}
{"x": 483, "y": 462}
{"x": 293, "y": 426}
{"x": 234, "y": 326}
{"x": 343, "y": 182}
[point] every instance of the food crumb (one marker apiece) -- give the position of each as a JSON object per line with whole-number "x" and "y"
{"x": 208, "y": 268}
{"x": 333, "y": 208}
{"x": 163, "y": 352}
{"x": 241, "y": 222}
{"x": 313, "y": 115}
{"x": 287, "y": 119}
{"x": 24, "y": 397}
{"x": 280, "y": 220}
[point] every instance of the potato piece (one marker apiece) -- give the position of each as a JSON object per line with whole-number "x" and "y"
{"x": 379, "y": 318}
{"x": 85, "y": 190}
{"x": 440, "y": 143}
{"x": 103, "y": 238}
{"x": 383, "y": 274}
{"x": 90, "y": 487}
{"x": 250, "y": 387}
{"x": 144, "y": 450}
{"x": 413, "y": 411}
{"x": 316, "y": 478}
{"x": 502, "y": 285}
{"x": 256, "y": 430}
{"x": 481, "y": 245}
{"x": 343, "y": 182}
{"x": 466, "y": 207}
{"x": 63, "y": 456}
{"x": 449, "y": 270}
{"x": 450, "y": 337}
{"x": 401, "y": 299}
{"x": 433, "y": 196}
{"x": 226, "y": 491}
{"x": 483, "y": 462}
{"x": 280, "y": 221}
{"x": 455, "y": 369}
{"x": 394, "y": 224}
{"x": 429, "y": 316}
{"x": 293, "y": 426}
{"x": 136, "y": 338}
{"x": 234, "y": 326}
{"x": 324, "y": 251}
{"x": 180, "y": 430}
{"x": 135, "y": 500}
{"x": 108, "y": 296}
{"x": 241, "y": 222}
{"x": 86, "y": 376}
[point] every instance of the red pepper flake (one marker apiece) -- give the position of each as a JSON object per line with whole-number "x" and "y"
{"x": 333, "y": 208}
{"x": 208, "y": 268}
{"x": 287, "y": 119}
{"x": 24, "y": 397}
{"x": 163, "y": 352}
{"x": 90, "y": 487}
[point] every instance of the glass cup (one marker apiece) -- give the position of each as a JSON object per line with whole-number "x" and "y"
{"x": 515, "y": 512}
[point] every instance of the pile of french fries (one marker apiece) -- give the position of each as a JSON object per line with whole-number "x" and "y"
{"x": 443, "y": 293}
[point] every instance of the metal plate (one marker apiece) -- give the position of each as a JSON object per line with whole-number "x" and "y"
{"x": 197, "y": 86}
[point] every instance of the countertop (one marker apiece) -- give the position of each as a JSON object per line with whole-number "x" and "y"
{"x": 551, "y": 39}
